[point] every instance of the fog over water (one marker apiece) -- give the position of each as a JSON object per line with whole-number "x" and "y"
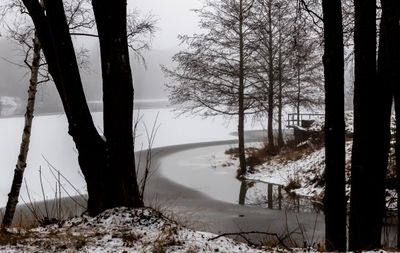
{"x": 174, "y": 17}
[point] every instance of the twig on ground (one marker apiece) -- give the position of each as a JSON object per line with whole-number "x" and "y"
{"x": 242, "y": 235}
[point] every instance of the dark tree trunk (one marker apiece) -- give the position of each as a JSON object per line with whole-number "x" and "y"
{"x": 243, "y": 192}
{"x": 271, "y": 79}
{"x": 335, "y": 197}
{"x": 371, "y": 135}
{"x": 53, "y": 33}
{"x": 26, "y": 135}
{"x": 298, "y": 74}
{"x": 242, "y": 155}
{"x": 270, "y": 129}
{"x": 388, "y": 70}
{"x": 397, "y": 152}
{"x": 98, "y": 161}
{"x": 281, "y": 142}
{"x": 122, "y": 188}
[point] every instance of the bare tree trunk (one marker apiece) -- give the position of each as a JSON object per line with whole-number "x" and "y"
{"x": 298, "y": 91}
{"x": 281, "y": 142}
{"x": 118, "y": 96}
{"x": 242, "y": 155}
{"x": 371, "y": 137}
{"x": 335, "y": 204}
{"x": 364, "y": 228}
{"x": 108, "y": 165}
{"x": 26, "y": 134}
{"x": 271, "y": 79}
{"x": 397, "y": 152}
{"x": 388, "y": 74}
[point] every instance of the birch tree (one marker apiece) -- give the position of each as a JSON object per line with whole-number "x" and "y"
{"x": 24, "y": 147}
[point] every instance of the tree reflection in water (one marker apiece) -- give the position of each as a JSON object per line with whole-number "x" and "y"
{"x": 274, "y": 197}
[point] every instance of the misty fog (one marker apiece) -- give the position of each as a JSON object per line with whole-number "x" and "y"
{"x": 173, "y": 18}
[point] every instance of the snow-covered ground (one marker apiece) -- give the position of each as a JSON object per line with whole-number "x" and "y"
{"x": 131, "y": 230}
{"x": 306, "y": 170}
{"x": 118, "y": 230}
{"x": 303, "y": 168}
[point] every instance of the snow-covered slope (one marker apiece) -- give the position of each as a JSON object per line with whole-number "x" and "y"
{"x": 118, "y": 230}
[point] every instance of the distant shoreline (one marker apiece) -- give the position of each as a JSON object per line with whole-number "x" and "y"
{"x": 96, "y": 106}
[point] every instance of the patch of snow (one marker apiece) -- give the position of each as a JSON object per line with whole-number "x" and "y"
{"x": 307, "y": 170}
{"x": 121, "y": 230}
{"x": 349, "y": 121}
{"x": 319, "y": 123}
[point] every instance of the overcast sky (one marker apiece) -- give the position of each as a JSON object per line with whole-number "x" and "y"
{"x": 174, "y": 17}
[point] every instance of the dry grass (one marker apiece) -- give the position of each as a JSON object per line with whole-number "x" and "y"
{"x": 130, "y": 238}
{"x": 290, "y": 152}
{"x": 8, "y": 238}
{"x": 254, "y": 156}
{"x": 293, "y": 184}
{"x": 166, "y": 239}
{"x": 53, "y": 241}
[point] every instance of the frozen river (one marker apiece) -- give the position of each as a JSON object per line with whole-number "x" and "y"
{"x": 51, "y": 142}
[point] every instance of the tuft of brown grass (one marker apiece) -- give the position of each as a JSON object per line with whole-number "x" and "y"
{"x": 256, "y": 156}
{"x": 292, "y": 151}
{"x": 166, "y": 239}
{"x": 129, "y": 238}
{"x": 9, "y": 238}
{"x": 234, "y": 152}
{"x": 79, "y": 241}
{"x": 293, "y": 184}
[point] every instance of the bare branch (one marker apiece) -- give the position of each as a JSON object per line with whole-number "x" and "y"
{"x": 242, "y": 234}
{"x": 313, "y": 13}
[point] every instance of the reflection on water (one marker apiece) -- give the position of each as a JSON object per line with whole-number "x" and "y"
{"x": 274, "y": 196}
{"x": 206, "y": 170}
{"x": 242, "y": 193}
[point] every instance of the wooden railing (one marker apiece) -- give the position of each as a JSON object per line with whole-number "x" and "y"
{"x": 294, "y": 119}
